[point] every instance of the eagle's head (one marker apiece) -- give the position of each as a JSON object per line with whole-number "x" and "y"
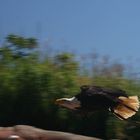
{"x": 70, "y": 103}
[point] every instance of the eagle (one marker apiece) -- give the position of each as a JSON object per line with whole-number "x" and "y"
{"x": 96, "y": 98}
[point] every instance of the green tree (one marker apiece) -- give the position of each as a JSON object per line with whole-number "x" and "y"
{"x": 30, "y": 85}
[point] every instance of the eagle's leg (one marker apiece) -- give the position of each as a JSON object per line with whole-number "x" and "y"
{"x": 119, "y": 116}
{"x": 116, "y": 114}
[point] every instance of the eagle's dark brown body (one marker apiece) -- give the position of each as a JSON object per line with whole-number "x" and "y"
{"x": 95, "y": 98}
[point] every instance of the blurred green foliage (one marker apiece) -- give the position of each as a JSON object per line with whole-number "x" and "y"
{"x": 29, "y": 87}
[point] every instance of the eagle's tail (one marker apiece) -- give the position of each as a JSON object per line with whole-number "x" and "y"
{"x": 127, "y": 108}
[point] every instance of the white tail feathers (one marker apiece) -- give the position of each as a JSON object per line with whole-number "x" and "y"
{"x": 127, "y": 108}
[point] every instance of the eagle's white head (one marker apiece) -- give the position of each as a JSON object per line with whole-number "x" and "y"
{"x": 70, "y": 103}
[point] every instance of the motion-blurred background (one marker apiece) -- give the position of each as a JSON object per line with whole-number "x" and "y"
{"x": 49, "y": 48}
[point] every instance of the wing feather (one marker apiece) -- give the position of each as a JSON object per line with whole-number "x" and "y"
{"x": 85, "y": 89}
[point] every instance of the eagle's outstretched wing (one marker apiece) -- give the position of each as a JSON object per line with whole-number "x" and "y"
{"x": 118, "y": 102}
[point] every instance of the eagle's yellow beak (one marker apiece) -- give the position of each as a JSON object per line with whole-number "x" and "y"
{"x": 70, "y": 103}
{"x": 59, "y": 101}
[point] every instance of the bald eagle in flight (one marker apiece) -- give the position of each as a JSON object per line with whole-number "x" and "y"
{"x": 95, "y": 98}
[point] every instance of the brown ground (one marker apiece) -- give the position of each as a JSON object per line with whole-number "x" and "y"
{"x": 24, "y": 132}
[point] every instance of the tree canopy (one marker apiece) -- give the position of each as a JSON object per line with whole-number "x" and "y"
{"x": 29, "y": 87}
